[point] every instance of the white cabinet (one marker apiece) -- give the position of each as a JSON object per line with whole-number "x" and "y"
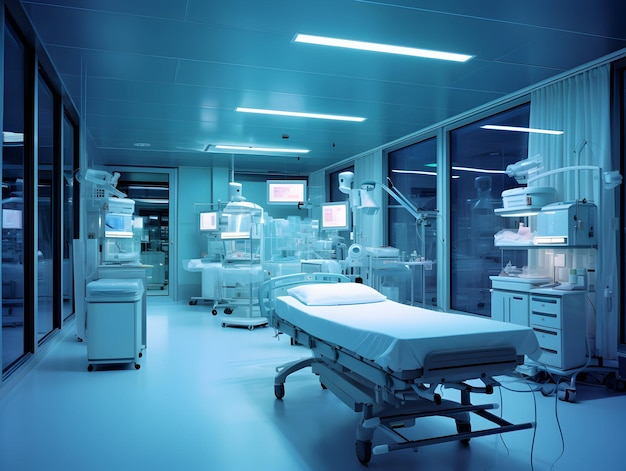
{"x": 113, "y": 326}
{"x": 559, "y": 321}
{"x": 509, "y": 306}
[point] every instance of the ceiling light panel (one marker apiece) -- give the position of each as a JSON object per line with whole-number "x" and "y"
{"x": 384, "y": 48}
{"x": 269, "y": 150}
{"x": 299, "y": 114}
{"x": 521, "y": 129}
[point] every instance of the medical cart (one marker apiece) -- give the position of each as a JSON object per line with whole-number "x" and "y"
{"x": 114, "y": 321}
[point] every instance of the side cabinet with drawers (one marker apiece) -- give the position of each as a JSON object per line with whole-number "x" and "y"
{"x": 559, "y": 321}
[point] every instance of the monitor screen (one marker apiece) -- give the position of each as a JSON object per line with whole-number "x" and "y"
{"x": 286, "y": 191}
{"x": 11, "y": 218}
{"x": 208, "y": 221}
{"x": 118, "y": 225}
{"x": 336, "y": 216}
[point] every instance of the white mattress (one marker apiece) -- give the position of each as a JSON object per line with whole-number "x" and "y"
{"x": 397, "y": 336}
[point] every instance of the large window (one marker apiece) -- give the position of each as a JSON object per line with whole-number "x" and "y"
{"x": 412, "y": 172}
{"x": 13, "y": 221}
{"x": 479, "y": 158}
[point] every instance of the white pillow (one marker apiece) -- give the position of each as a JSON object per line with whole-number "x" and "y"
{"x": 333, "y": 294}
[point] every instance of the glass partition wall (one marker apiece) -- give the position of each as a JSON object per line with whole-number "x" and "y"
{"x": 13, "y": 221}
{"x": 45, "y": 209}
{"x": 39, "y": 155}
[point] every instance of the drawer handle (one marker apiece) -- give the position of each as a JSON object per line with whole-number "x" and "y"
{"x": 549, "y": 350}
{"x": 518, "y": 298}
{"x": 545, "y": 300}
{"x": 547, "y": 314}
{"x": 542, "y": 331}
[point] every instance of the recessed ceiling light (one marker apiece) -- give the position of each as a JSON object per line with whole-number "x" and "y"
{"x": 142, "y": 144}
{"x": 386, "y": 48}
{"x": 521, "y": 129}
{"x": 299, "y": 114}
{"x": 283, "y": 150}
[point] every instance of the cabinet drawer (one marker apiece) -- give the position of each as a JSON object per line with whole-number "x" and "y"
{"x": 545, "y": 310}
{"x": 550, "y": 344}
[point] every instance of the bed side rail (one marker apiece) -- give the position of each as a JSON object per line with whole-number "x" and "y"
{"x": 278, "y": 286}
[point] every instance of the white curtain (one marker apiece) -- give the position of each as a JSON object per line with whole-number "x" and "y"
{"x": 580, "y": 106}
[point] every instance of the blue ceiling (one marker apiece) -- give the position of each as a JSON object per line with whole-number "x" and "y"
{"x": 171, "y": 73}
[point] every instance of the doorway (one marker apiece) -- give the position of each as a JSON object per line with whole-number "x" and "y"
{"x": 154, "y": 195}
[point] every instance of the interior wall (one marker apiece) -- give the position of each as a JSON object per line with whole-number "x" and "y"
{"x": 195, "y": 185}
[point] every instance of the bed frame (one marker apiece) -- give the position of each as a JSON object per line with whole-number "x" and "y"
{"x": 390, "y": 400}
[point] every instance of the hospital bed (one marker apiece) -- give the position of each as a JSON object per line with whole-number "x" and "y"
{"x": 389, "y": 361}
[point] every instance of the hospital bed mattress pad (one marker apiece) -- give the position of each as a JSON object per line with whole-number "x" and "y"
{"x": 398, "y": 337}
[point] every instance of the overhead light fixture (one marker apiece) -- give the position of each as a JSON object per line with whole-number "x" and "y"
{"x": 464, "y": 169}
{"x": 299, "y": 114}
{"x": 420, "y": 172}
{"x": 376, "y": 47}
{"x": 415, "y": 172}
{"x": 477, "y": 170}
{"x": 283, "y": 150}
{"x": 521, "y": 129}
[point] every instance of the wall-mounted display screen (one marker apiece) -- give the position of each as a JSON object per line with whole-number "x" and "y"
{"x": 208, "y": 221}
{"x": 118, "y": 225}
{"x": 11, "y": 218}
{"x": 286, "y": 191}
{"x": 336, "y": 216}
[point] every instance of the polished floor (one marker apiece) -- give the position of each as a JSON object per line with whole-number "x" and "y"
{"x": 203, "y": 399}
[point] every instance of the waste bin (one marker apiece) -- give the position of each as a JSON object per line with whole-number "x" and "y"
{"x": 113, "y": 326}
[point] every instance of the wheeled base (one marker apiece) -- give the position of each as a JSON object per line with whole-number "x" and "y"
{"x": 249, "y": 322}
{"x": 387, "y": 417}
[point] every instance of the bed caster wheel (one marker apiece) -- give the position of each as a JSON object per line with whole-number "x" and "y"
{"x": 464, "y": 427}
{"x": 89, "y": 367}
{"x": 279, "y": 391}
{"x": 363, "y": 451}
{"x": 223, "y": 324}
{"x": 140, "y": 355}
{"x": 323, "y": 386}
{"x": 250, "y": 327}
{"x": 228, "y": 311}
{"x": 214, "y": 312}
{"x": 137, "y": 366}
{"x": 191, "y": 303}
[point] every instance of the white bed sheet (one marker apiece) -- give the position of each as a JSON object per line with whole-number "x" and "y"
{"x": 397, "y": 336}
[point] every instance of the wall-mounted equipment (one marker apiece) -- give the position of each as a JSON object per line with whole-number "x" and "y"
{"x": 286, "y": 192}
{"x": 567, "y": 224}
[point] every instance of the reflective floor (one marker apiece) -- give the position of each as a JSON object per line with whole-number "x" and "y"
{"x": 204, "y": 400}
